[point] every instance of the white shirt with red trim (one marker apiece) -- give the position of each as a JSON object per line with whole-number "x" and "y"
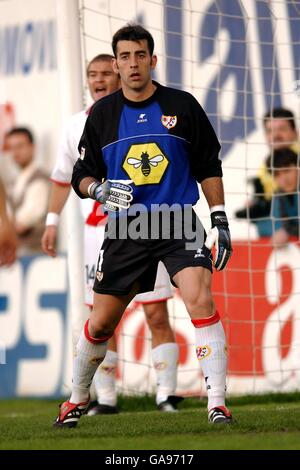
{"x": 66, "y": 158}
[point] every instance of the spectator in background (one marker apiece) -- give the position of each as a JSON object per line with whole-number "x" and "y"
{"x": 8, "y": 239}
{"x": 280, "y": 131}
{"x": 28, "y": 197}
{"x": 285, "y": 204}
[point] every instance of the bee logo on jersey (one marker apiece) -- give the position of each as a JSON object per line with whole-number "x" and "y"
{"x": 169, "y": 121}
{"x": 145, "y": 163}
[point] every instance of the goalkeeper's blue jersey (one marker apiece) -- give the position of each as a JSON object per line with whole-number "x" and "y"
{"x": 164, "y": 144}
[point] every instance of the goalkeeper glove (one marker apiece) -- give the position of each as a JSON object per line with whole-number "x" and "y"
{"x": 114, "y": 194}
{"x": 219, "y": 235}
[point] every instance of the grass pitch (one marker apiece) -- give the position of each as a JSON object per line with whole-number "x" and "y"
{"x": 261, "y": 422}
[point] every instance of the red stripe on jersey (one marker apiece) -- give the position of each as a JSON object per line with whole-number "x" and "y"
{"x": 60, "y": 183}
{"x": 202, "y": 322}
{"x": 96, "y": 216}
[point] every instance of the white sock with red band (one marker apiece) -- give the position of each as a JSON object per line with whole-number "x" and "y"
{"x": 90, "y": 352}
{"x": 105, "y": 379}
{"x": 212, "y": 355}
{"x": 165, "y": 360}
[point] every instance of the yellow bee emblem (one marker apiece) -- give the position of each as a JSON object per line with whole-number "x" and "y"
{"x": 145, "y": 163}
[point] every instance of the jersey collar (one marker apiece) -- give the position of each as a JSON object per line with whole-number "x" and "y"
{"x": 142, "y": 104}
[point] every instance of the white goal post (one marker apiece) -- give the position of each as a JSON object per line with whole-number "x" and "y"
{"x": 239, "y": 59}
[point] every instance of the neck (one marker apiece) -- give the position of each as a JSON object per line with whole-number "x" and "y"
{"x": 139, "y": 94}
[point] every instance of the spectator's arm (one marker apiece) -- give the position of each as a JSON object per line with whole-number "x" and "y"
{"x": 34, "y": 206}
{"x": 8, "y": 239}
{"x": 280, "y": 236}
{"x": 276, "y": 213}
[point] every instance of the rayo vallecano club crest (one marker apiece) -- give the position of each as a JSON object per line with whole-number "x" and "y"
{"x": 169, "y": 121}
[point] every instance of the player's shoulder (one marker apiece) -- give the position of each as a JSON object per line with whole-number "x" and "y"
{"x": 107, "y": 102}
{"x": 180, "y": 97}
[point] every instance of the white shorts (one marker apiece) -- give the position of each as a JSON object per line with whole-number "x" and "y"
{"x": 93, "y": 239}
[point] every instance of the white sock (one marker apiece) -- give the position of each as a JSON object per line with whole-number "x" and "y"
{"x": 105, "y": 380}
{"x": 212, "y": 355}
{"x": 165, "y": 360}
{"x": 90, "y": 352}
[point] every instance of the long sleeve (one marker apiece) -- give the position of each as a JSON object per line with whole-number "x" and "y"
{"x": 204, "y": 157}
{"x": 90, "y": 162}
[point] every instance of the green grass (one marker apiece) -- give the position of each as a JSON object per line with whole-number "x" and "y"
{"x": 261, "y": 422}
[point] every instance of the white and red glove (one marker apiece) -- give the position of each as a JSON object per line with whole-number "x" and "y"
{"x": 115, "y": 195}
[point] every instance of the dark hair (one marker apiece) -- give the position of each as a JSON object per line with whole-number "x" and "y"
{"x": 283, "y": 113}
{"x": 282, "y": 158}
{"x": 132, "y": 32}
{"x": 99, "y": 58}
{"x": 21, "y": 130}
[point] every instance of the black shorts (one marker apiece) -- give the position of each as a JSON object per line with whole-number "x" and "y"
{"x": 125, "y": 262}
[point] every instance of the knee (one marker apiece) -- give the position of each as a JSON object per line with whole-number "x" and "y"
{"x": 100, "y": 327}
{"x": 200, "y": 305}
{"x": 157, "y": 318}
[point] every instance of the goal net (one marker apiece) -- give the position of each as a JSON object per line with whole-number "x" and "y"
{"x": 240, "y": 59}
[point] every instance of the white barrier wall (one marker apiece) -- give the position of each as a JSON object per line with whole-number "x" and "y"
{"x": 28, "y": 70}
{"x": 263, "y": 332}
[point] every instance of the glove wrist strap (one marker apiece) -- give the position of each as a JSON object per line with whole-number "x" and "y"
{"x": 219, "y": 218}
{"x": 91, "y": 189}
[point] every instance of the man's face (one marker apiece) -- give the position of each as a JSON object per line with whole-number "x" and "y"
{"x": 21, "y": 149}
{"x": 101, "y": 79}
{"x": 287, "y": 179}
{"x": 134, "y": 64}
{"x": 279, "y": 133}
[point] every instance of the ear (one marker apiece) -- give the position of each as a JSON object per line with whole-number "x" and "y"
{"x": 114, "y": 65}
{"x": 153, "y": 62}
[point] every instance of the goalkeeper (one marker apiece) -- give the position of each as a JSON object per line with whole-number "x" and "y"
{"x": 152, "y": 144}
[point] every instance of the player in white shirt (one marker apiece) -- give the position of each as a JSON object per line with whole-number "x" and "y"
{"x": 102, "y": 81}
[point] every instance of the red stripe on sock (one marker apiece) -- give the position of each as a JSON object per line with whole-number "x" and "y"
{"x": 90, "y": 338}
{"x": 202, "y": 322}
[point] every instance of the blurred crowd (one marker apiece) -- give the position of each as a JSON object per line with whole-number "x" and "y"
{"x": 274, "y": 205}
{"x": 27, "y": 191}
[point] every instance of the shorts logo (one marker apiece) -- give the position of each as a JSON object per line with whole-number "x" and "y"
{"x": 199, "y": 253}
{"x": 169, "y": 121}
{"x": 99, "y": 276}
{"x": 202, "y": 352}
{"x": 145, "y": 163}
